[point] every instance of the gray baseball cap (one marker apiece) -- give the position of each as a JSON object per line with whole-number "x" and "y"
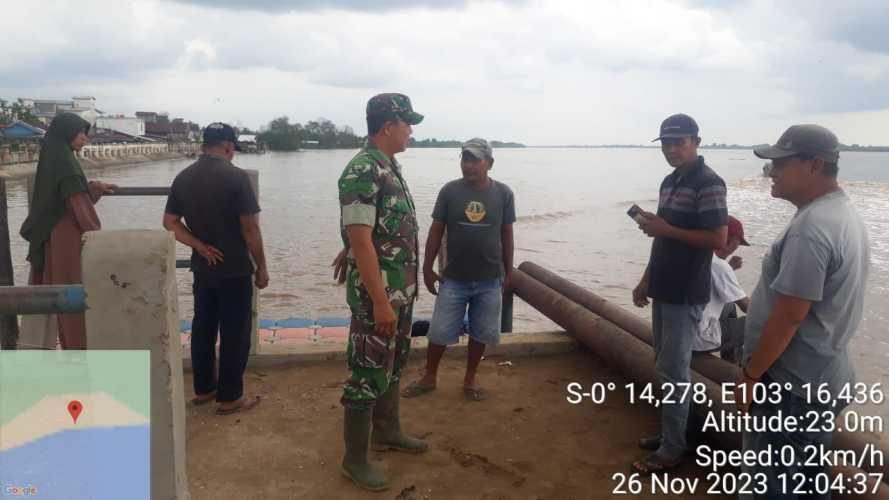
{"x": 813, "y": 140}
{"x": 478, "y": 147}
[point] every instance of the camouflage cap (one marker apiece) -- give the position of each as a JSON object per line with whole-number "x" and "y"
{"x": 395, "y": 106}
{"x": 478, "y": 147}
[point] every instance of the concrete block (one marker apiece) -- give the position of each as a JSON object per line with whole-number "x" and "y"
{"x": 130, "y": 281}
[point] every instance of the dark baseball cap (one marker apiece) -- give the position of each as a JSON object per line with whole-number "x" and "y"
{"x": 813, "y": 140}
{"x": 221, "y": 132}
{"x": 678, "y": 125}
{"x": 393, "y": 106}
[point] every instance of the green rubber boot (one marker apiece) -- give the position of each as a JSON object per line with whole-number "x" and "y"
{"x": 387, "y": 433}
{"x": 356, "y": 430}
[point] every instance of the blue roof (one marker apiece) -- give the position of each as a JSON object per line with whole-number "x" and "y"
{"x": 21, "y": 130}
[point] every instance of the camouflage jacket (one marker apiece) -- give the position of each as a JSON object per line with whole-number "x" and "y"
{"x": 373, "y": 193}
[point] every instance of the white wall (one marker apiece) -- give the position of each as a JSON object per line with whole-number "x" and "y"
{"x": 127, "y": 125}
{"x": 84, "y": 102}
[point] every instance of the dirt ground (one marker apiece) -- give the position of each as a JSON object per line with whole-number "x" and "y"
{"x": 525, "y": 442}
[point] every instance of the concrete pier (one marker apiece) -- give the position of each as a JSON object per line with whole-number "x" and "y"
{"x": 132, "y": 275}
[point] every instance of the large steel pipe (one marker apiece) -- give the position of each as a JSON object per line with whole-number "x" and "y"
{"x": 634, "y": 359}
{"x": 711, "y": 367}
{"x": 629, "y": 355}
{"x": 598, "y": 305}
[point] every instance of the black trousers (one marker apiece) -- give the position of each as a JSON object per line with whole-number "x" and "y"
{"x": 223, "y": 307}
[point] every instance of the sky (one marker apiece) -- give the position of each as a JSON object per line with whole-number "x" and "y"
{"x": 542, "y": 73}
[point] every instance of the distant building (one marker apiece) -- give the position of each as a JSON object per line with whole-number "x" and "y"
{"x": 108, "y": 136}
{"x": 250, "y": 144}
{"x": 151, "y": 116}
{"x": 127, "y": 124}
{"x": 159, "y": 126}
{"x": 47, "y": 109}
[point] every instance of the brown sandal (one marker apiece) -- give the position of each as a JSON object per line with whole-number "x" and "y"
{"x": 202, "y": 399}
{"x": 655, "y": 463}
{"x": 246, "y": 405}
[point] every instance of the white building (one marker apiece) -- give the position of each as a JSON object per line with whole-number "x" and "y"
{"x": 126, "y": 124}
{"x": 47, "y": 109}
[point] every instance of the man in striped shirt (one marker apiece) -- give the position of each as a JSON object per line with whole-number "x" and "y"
{"x": 691, "y": 222}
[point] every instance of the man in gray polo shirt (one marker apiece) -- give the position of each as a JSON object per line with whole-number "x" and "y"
{"x": 808, "y": 302}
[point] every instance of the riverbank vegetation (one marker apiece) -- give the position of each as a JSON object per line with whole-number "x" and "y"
{"x": 281, "y": 135}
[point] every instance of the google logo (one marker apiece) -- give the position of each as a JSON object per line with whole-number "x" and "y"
{"x": 20, "y": 491}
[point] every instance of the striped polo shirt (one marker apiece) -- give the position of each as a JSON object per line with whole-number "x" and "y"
{"x": 680, "y": 273}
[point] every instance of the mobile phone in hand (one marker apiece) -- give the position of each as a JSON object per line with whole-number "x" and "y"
{"x": 635, "y": 213}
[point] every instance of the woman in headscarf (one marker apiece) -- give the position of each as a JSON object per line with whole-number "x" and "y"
{"x": 61, "y": 211}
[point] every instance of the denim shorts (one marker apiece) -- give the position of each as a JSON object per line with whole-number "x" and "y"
{"x": 484, "y": 300}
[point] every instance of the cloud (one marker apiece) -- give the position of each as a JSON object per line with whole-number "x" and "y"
{"x": 541, "y": 72}
{"x": 279, "y": 6}
{"x": 859, "y": 23}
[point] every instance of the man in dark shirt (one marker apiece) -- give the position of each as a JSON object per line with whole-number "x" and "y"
{"x": 478, "y": 213}
{"x": 691, "y": 222}
{"x": 222, "y": 228}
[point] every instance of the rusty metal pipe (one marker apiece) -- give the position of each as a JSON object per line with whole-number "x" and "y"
{"x": 140, "y": 191}
{"x": 632, "y": 323}
{"x": 711, "y": 367}
{"x": 629, "y": 355}
{"x": 714, "y": 368}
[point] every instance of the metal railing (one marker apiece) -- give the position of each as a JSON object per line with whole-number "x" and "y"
{"x": 149, "y": 191}
{"x": 53, "y": 299}
{"x": 42, "y": 299}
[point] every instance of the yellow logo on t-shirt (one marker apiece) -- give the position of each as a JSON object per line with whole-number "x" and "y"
{"x": 475, "y": 211}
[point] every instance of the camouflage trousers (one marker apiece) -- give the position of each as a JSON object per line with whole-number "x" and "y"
{"x": 374, "y": 361}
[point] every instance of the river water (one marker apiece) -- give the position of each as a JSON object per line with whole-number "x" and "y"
{"x": 570, "y": 203}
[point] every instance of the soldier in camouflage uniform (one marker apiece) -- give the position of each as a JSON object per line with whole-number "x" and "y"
{"x": 379, "y": 226}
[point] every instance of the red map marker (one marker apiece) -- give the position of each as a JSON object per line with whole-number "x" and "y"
{"x": 74, "y": 408}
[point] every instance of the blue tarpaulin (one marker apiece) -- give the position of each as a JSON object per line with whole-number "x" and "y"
{"x": 21, "y": 130}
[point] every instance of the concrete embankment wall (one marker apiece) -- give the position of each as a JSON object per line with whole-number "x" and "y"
{"x": 97, "y": 156}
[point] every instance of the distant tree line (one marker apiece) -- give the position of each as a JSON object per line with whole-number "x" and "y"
{"x": 10, "y": 112}
{"x": 450, "y": 143}
{"x": 843, "y": 147}
{"x": 281, "y": 135}
{"x": 857, "y": 147}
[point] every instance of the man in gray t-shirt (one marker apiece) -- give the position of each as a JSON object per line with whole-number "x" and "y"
{"x": 808, "y": 302}
{"x": 478, "y": 213}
